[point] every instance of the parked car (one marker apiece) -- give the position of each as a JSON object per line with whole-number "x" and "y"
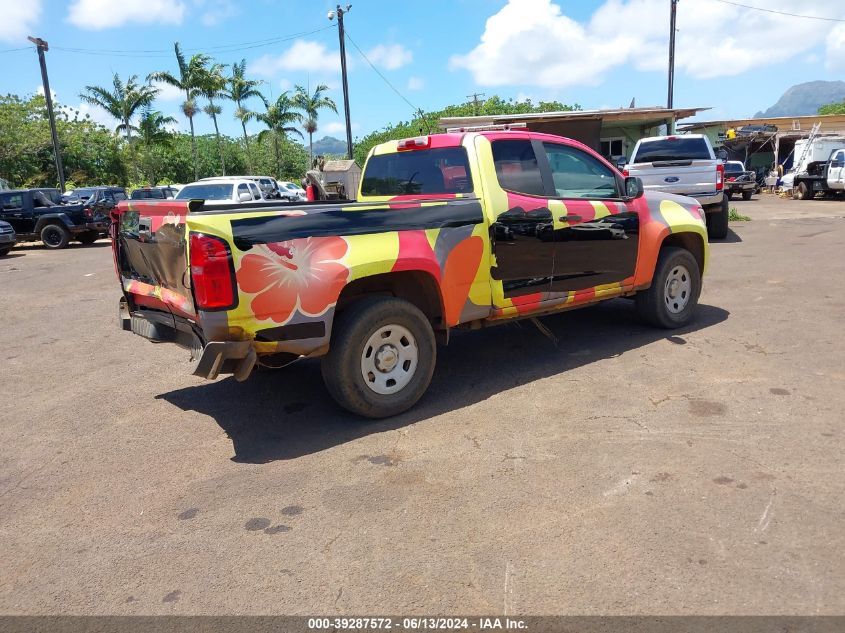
{"x": 685, "y": 165}
{"x": 739, "y": 180}
{"x": 268, "y": 185}
{"x": 8, "y": 239}
{"x": 36, "y": 214}
{"x": 449, "y": 231}
{"x": 221, "y": 191}
{"x": 291, "y": 191}
{"x": 154, "y": 193}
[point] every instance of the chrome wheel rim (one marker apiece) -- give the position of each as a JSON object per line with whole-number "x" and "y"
{"x": 389, "y": 359}
{"x": 678, "y": 289}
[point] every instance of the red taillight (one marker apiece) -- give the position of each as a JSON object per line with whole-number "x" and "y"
{"x": 419, "y": 142}
{"x": 720, "y": 176}
{"x": 212, "y": 275}
{"x": 89, "y": 213}
{"x": 625, "y": 173}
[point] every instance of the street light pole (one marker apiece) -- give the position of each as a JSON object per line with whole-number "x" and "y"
{"x": 41, "y": 46}
{"x": 340, "y": 13}
{"x": 672, "y": 17}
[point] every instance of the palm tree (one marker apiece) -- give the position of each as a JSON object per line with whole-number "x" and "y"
{"x": 311, "y": 104}
{"x": 279, "y": 119}
{"x": 122, "y": 102}
{"x": 241, "y": 89}
{"x": 213, "y": 87}
{"x": 152, "y": 134}
{"x": 191, "y": 76}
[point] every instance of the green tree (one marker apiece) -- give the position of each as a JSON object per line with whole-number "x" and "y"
{"x": 310, "y": 105}
{"x": 152, "y": 135}
{"x": 239, "y": 90}
{"x": 122, "y": 102}
{"x": 214, "y": 87}
{"x": 833, "y": 108}
{"x": 190, "y": 80}
{"x": 279, "y": 118}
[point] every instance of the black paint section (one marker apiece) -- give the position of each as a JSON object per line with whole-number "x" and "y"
{"x": 333, "y": 221}
{"x": 293, "y": 332}
{"x": 593, "y": 253}
{"x": 524, "y": 246}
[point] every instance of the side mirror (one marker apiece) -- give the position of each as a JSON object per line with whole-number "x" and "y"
{"x": 621, "y": 162}
{"x": 633, "y": 188}
{"x": 244, "y": 197}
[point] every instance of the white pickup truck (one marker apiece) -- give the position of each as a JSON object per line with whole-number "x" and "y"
{"x": 687, "y": 166}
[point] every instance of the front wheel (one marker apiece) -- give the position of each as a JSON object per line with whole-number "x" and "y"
{"x": 671, "y": 299}
{"x": 381, "y": 358}
{"x": 803, "y": 192}
{"x": 55, "y": 236}
{"x": 5, "y": 251}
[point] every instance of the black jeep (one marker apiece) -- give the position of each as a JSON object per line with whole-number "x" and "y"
{"x": 38, "y": 214}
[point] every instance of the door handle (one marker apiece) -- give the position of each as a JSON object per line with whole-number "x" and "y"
{"x": 570, "y": 218}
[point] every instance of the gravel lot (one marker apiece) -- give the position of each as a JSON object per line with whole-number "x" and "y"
{"x": 621, "y": 470}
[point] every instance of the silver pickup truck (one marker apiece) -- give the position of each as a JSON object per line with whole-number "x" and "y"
{"x": 687, "y": 166}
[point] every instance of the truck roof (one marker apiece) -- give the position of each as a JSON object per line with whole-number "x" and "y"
{"x": 456, "y": 139}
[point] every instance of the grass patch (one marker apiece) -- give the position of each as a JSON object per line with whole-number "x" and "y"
{"x": 736, "y": 216}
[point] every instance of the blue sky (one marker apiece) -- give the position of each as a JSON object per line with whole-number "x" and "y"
{"x": 598, "y": 53}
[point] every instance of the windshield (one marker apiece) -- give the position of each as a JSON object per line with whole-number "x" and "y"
{"x": 416, "y": 172}
{"x": 216, "y": 191}
{"x": 672, "y": 148}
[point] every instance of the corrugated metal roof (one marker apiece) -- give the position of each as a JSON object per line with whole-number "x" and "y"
{"x": 620, "y": 114}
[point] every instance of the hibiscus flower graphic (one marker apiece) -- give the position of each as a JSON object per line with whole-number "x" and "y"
{"x": 284, "y": 276}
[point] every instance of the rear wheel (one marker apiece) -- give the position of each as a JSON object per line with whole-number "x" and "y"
{"x": 746, "y": 195}
{"x": 55, "y": 236}
{"x": 802, "y": 192}
{"x": 729, "y": 195}
{"x": 671, "y": 300}
{"x": 381, "y": 358}
{"x": 717, "y": 221}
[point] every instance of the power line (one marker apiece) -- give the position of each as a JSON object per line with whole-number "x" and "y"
{"x": 378, "y": 72}
{"x": 792, "y": 15}
{"x": 13, "y": 50}
{"x": 221, "y": 49}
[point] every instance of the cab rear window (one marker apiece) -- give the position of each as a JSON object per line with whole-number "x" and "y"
{"x": 417, "y": 172}
{"x": 672, "y": 148}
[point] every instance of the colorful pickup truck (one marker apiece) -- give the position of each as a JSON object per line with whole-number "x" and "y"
{"x": 457, "y": 230}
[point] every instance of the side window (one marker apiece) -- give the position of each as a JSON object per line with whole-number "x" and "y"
{"x": 255, "y": 192}
{"x": 12, "y": 201}
{"x": 516, "y": 167}
{"x": 242, "y": 188}
{"x": 576, "y": 174}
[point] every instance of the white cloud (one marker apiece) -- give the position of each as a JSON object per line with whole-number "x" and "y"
{"x": 303, "y": 55}
{"x": 836, "y": 48}
{"x": 337, "y": 127}
{"x": 96, "y": 114}
{"x": 415, "y": 83}
{"x": 533, "y": 42}
{"x": 168, "y": 92}
{"x": 390, "y": 56}
{"x": 18, "y": 20}
{"x": 103, "y": 14}
{"x": 214, "y": 12}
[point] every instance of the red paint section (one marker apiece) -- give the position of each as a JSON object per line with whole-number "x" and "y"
{"x": 415, "y": 253}
{"x": 527, "y": 303}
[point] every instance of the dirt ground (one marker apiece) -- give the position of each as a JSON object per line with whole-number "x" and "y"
{"x": 621, "y": 470}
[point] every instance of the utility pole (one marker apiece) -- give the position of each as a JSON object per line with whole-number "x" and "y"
{"x": 42, "y": 47}
{"x": 340, "y": 13}
{"x": 672, "y": 18}
{"x": 474, "y": 96}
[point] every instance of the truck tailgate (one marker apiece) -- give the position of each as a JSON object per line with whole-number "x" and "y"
{"x": 683, "y": 177}
{"x": 151, "y": 258}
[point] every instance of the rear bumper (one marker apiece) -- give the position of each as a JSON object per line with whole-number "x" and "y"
{"x": 208, "y": 359}
{"x": 709, "y": 198}
{"x": 740, "y": 186}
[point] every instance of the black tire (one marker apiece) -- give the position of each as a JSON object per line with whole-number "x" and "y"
{"x": 55, "y": 236}
{"x": 5, "y": 251}
{"x": 342, "y": 366}
{"x": 717, "y": 221}
{"x": 655, "y": 305}
{"x": 803, "y": 192}
{"x": 729, "y": 195}
{"x": 746, "y": 195}
{"x": 89, "y": 237}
